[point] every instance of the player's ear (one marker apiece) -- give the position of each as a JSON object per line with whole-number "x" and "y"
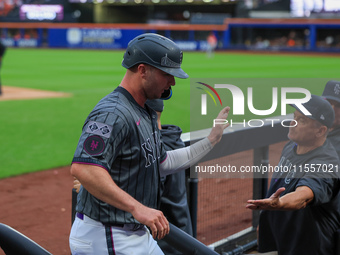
{"x": 142, "y": 69}
{"x": 322, "y": 131}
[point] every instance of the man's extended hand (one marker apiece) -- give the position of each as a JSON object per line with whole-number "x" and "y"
{"x": 217, "y": 131}
{"x": 271, "y": 203}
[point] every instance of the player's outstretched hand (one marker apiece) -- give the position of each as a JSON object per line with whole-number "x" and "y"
{"x": 219, "y": 125}
{"x": 154, "y": 219}
{"x": 271, "y": 203}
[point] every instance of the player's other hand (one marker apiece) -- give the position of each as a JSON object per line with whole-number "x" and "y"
{"x": 76, "y": 184}
{"x": 154, "y": 219}
{"x": 220, "y": 124}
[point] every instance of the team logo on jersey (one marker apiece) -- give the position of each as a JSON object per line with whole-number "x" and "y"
{"x": 151, "y": 149}
{"x": 286, "y": 169}
{"x": 98, "y": 128}
{"x": 290, "y": 176}
{"x": 148, "y": 152}
{"x": 94, "y": 145}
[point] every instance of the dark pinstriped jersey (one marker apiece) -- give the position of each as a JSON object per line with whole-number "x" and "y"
{"x": 123, "y": 138}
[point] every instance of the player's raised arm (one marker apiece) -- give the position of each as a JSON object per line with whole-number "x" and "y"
{"x": 180, "y": 159}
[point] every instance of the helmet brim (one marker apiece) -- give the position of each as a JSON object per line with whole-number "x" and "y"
{"x": 177, "y": 72}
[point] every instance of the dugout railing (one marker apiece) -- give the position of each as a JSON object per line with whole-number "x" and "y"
{"x": 234, "y": 140}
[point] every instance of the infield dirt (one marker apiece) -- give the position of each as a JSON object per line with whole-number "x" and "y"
{"x": 16, "y": 93}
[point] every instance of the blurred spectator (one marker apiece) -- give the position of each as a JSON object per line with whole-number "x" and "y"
{"x": 291, "y": 39}
{"x": 212, "y": 44}
{"x": 260, "y": 43}
{"x": 337, "y": 41}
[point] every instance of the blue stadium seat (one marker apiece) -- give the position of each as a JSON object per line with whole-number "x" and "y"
{"x": 13, "y": 242}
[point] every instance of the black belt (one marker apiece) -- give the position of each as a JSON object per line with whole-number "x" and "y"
{"x": 120, "y": 225}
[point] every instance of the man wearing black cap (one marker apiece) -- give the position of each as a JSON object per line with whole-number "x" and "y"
{"x": 173, "y": 201}
{"x": 332, "y": 94}
{"x": 301, "y": 212}
{"x": 120, "y": 158}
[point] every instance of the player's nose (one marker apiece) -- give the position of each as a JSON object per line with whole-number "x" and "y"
{"x": 172, "y": 81}
{"x": 293, "y": 123}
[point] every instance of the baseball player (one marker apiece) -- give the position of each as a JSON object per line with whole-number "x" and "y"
{"x": 301, "y": 212}
{"x": 120, "y": 158}
{"x": 173, "y": 195}
{"x": 332, "y": 94}
{"x": 211, "y": 44}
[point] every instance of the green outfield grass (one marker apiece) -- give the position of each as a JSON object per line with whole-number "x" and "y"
{"x": 42, "y": 134}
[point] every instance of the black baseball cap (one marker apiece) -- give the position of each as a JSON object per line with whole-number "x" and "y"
{"x": 332, "y": 91}
{"x": 156, "y": 104}
{"x": 320, "y": 110}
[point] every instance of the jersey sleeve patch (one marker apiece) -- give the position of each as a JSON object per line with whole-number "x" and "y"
{"x": 99, "y": 128}
{"x": 94, "y": 145}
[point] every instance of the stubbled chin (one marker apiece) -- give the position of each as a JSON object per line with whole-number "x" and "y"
{"x": 290, "y": 136}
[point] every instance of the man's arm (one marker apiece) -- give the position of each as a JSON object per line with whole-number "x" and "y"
{"x": 295, "y": 200}
{"x": 183, "y": 158}
{"x": 98, "y": 182}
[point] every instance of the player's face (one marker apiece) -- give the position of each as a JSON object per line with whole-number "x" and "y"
{"x": 158, "y": 82}
{"x": 336, "y": 108}
{"x": 304, "y": 133}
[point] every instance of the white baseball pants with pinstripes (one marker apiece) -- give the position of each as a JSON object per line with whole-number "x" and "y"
{"x": 90, "y": 237}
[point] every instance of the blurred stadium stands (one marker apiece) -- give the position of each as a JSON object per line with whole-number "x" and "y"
{"x": 290, "y": 25}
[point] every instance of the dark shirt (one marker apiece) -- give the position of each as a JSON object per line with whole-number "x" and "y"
{"x": 334, "y": 137}
{"x": 310, "y": 230}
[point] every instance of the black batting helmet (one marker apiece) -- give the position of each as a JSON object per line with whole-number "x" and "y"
{"x": 157, "y": 51}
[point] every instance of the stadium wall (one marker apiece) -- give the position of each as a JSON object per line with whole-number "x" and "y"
{"x": 245, "y": 34}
